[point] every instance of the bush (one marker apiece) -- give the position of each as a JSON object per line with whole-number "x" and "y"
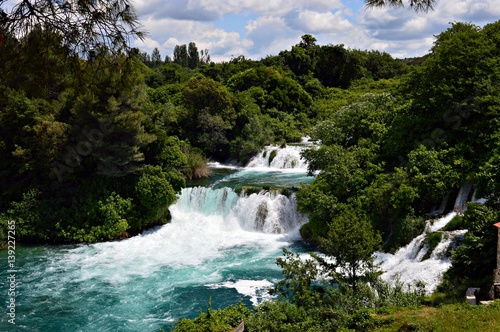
{"x": 221, "y": 320}
{"x": 272, "y": 155}
{"x": 154, "y": 196}
{"x": 404, "y": 231}
{"x": 455, "y": 224}
{"x": 196, "y": 163}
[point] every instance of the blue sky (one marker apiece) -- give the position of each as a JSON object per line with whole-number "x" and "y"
{"x": 257, "y": 28}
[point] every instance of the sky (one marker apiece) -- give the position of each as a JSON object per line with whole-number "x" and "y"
{"x": 258, "y": 28}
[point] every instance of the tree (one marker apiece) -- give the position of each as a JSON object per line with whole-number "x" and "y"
{"x": 210, "y": 114}
{"x": 145, "y": 58}
{"x": 298, "y": 277}
{"x": 474, "y": 260}
{"x": 85, "y": 25}
{"x": 204, "y": 57}
{"x": 181, "y": 55}
{"x": 350, "y": 245}
{"x": 301, "y": 58}
{"x": 336, "y": 66}
{"x": 193, "y": 56}
{"x": 112, "y": 103}
{"x": 417, "y": 5}
{"x": 307, "y": 41}
{"x": 156, "y": 58}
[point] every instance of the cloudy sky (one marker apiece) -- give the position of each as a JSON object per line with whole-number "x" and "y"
{"x": 257, "y": 28}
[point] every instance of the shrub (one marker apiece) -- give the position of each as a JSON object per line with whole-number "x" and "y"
{"x": 272, "y": 155}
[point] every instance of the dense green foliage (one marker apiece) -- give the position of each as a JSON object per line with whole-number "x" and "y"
{"x": 397, "y": 157}
{"x": 94, "y": 149}
{"x": 78, "y": 160}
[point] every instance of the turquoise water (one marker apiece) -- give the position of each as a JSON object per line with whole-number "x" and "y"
{"x": 219, "y": 246}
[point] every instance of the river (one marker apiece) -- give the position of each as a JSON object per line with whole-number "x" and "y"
{"x": 220, "y": 247}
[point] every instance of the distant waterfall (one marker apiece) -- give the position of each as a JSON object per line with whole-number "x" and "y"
{"x": 280, "y": 158}
{"x": 458, "y": 208}
{"x": 266, "y": 212}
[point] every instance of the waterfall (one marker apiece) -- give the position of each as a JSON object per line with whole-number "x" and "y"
{"x": 414, "y": 262}
{"x": 267, "y": 212}
{"x": 462, "y": 197}
{"x": 279, "y": 158}
{"x": 207, "y": 201}
{"x": 219, "y": 244}
{"x": 440, "y": 210}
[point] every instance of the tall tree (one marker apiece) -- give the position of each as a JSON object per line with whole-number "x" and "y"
{"x": 210, "y": 115}
{"x": 193, "y": 56}
{"x": 204, "y": 57}
{"x": 156, "y": 58}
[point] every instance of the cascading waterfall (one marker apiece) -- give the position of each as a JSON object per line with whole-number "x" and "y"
{"x": 413, "y": 263}
{"x": 219, "y": 245}
{"x": 267, "y": 212}
{"x": 276, "y": 157}
{"x": 207, "y": 201}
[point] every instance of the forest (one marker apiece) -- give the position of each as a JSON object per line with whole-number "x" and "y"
{"x": 95, "y": 148}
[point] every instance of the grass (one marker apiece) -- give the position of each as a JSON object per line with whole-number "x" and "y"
{"x": 445, "y": 318}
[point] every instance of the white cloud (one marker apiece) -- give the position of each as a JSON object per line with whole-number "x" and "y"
{"x": 270, "y": 35}
{"x": 321, "y": 22}
{"x": 280, "y": 8}
{"x": 256, "y": 28}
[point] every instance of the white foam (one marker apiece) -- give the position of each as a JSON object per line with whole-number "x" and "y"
{"x": 408, "y": 266}
{"x": 441, "y": 222}
{"x": 193, "y": 239}
{"x": 216, "y": 164}
{"x": 257, "y": 290}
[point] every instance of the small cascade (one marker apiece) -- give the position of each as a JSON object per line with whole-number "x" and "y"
{"x": 414, "y": 262}
{"x": 207, "y": 201}
{"x": 440, "y": 210}
{"x": 280, "y": 158}
{"x": 463, "y": 197}
{"x": 266, "y": 212}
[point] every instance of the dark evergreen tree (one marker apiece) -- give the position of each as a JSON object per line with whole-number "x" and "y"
{"x": 193, "y": 56}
